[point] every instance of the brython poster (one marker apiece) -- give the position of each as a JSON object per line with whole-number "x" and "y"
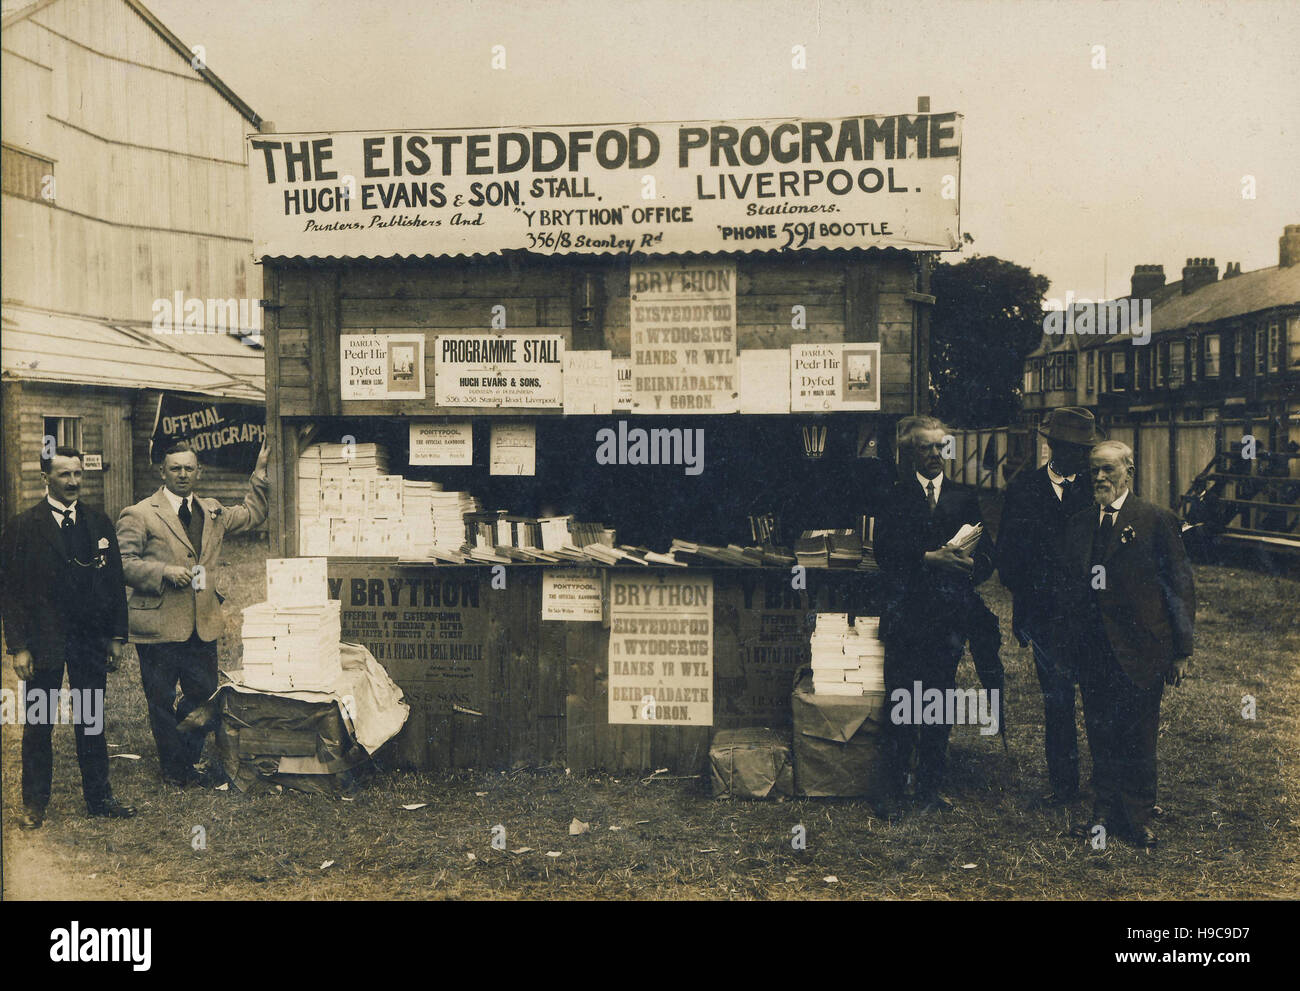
{"x": 661, "y": 649}
{"x": 664, "y": 188}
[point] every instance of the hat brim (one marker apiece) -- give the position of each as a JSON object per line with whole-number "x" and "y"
{"x": 1097, "y": 438}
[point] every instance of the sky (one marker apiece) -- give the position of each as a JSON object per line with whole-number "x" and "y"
{"x": 1078, "y": 161}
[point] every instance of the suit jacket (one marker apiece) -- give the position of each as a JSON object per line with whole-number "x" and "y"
{"x": 1148, "y": 605}
{"x": 919, "y": 597}
{"x": 40, "y": 614}
{"x": 152, "y": 537}
{"x": 1031, "y": 557}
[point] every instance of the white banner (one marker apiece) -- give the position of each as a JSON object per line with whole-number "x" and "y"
{"x": 668, "y": 188}
{"x": 499, "y": 370}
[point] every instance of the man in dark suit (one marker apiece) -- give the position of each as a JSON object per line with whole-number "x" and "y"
{"x": 171, "y": 543}
{"x": 926, "y": 619}
{"x": 63, "y": 605}
{"x": 1031, "y": 564}
{"x": 1134, "y": 583}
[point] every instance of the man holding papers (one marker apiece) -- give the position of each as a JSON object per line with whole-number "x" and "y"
{"x": 931, "y": 545}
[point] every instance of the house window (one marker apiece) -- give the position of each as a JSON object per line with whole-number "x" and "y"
{"x": 1162, "y": 364}
{"x": 1293, "y": 342}
{"x": 1261, "y": 342}
{"x": 1140, "y": 373}
{"x": 66, "y": 431}
{"x": 1239, "y": 338}
{"x": 1071, "y": 363}
{"x": 1177, "y": 363}
{"x": 1104, "y": 376}
{"x": 25, "y": 175}
{"x": 1274, "y": 347}
{"x": 1092, "y": 372}
{"x": 1118, "y": 371}
{"x": 1029, "y": 381}
{"x": 1211, "y": 356}
{"x": 1194, "y": 357}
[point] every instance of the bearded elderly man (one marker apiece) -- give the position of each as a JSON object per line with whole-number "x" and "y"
{"x": 170, "y": 543}
{"x": 1134, "y": 582}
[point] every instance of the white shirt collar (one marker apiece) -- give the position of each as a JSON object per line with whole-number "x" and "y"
{"x": 58, "y": 508}
{"x": 1118, "y": 504}
{"x": 937, "y": 480}
{"x": 176, "y": 500}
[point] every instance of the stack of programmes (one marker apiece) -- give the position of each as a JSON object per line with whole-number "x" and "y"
{"x": 291, "y": 641}
{"x": 847, "y": 660}
{"x": 349, "y": 506}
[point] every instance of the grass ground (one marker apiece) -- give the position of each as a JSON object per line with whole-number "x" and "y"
{"x": 1230, "y": 788}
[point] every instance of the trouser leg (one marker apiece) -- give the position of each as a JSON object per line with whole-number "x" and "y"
{"x": 159, "y": 671}
{"x": 87, "y": 676}
{"x": 1060, "y": 737}
{"x": 38, "y": 750}
{"x": 1138, "y": 729}
{"x": 1101, "y": 718}
{"x": 197, "y": 668}
{"x": 942, "y": 656}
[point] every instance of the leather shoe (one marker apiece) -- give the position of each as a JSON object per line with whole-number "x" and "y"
{"x": 934, "y": 802}
{"x": 1144, "y": 838}
{"x": 111, "y": 808}
{"x": 1056, "y": 798}
{"x": 32, "y": 818}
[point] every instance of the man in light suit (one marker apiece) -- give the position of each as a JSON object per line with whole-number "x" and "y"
{"x": 1134, "y": 583}
{"x": 171, "y": 543}
{"x": 63, "y": 605}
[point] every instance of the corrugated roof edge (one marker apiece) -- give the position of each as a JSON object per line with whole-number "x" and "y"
{"x": 886, "y": 251}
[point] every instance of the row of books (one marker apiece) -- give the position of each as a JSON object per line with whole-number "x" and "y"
{"x": 847, "y": 659}
{"x": 837, "y": 549}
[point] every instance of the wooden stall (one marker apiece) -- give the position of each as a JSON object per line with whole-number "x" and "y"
{"x": 494, "y": 680}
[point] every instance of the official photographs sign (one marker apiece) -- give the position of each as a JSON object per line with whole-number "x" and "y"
{"x": 668, "y": 188}
{"x": 223, "y": 435}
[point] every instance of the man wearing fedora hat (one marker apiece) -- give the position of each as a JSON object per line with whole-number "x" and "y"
{"x": 1031, "y": 564}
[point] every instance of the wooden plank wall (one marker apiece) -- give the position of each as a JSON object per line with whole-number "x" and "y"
{"x": 149, "y": 163}
{"x": 27, "y": 430}
{"x": 546, "y": 683}
{"x": 858, "y": 298}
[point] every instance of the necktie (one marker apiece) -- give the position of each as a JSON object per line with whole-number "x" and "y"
{"x": 929, "y": 494}
{"x": 184, "y": 513}
{"x": 1102, "y": 536}
{"x": 65, "y": 530}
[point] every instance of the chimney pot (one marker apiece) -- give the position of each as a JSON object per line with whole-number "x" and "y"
{"x": 1288, "y": 246}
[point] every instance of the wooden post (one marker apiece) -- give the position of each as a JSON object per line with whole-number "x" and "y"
{"x": 271, "y": 364}
{"x": 11, "y": 466}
